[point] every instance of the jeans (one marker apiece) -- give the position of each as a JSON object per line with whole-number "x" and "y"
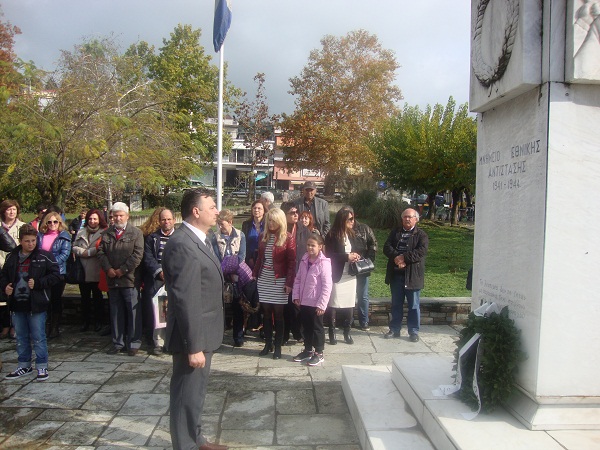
{"x": 362, "y": 299}
{"x": 31, "y": 327}
{"x": 413, "y": 318}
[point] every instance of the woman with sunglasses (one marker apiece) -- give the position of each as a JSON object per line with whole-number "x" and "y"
{"x": 340, "y": 247}
{"x": 54, "y": 237}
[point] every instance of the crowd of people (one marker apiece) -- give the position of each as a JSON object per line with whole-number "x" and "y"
{"x": 288, "y": 273}
{"x": 287, "y": 268}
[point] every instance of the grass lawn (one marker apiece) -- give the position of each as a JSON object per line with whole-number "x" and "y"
{"x": 449, "y": 258}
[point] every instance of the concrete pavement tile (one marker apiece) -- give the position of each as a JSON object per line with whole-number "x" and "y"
{"x": 214, "y": 402}
{"x": 338, "y": 447}
{"x": 52, "y": 395}
{"x": 247, "y": 438}
{"x": 274, "y": 447}
{"x": 7, "y": 389}
{"x": 92, "y": 377}
{"x": 77, "y": 433}
{"x": 102, "y": 401}
{"x": 13, "y": 419}
{"x": 245, "y": 383}
{"x": 163, "y": 385}
{"x": 102, "y": 357}
{"x": 330, "y": 398}
{"x": 249, "y": 411}
{"x": 146, "y": 367}
{"x": 56, "y": 376}
{"x": 76, "y": 415}
{"x": 161, "y": 437}
{"x": 293, "y": 369}
{"x": 145, "y": 405}
{"x": 439, "y": 343}
{"x": 364, "y": 345}
{"x": 321, "y": 429}
{"x": 444, "y": 330}
{"x": 340, "y": 359}
{"x": 165, "y": 358}
{"x": 401, "y": 345}
{"x": 9, "y": 356}
{"x": 32, "y": 435}
{"x": 326, "y": 373}
{"x": 131, "y": 382}
{"x": 68, "y": 355}
{"x": 295, "y": 402}
{"x": 129, "y": 430}
{"x": 382, "y": 359}
{"x": 87, "y": 366}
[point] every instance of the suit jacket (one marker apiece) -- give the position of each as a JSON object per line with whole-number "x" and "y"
{"x": 194, "y": 284}
{"x": 321, "y": 215}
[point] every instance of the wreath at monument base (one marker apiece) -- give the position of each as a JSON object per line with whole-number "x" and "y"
{"x": 499, "y": 352}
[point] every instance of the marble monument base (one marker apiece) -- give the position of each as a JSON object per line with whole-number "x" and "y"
{"x": 383, "y": 423}
{"x": 564, "y": 413}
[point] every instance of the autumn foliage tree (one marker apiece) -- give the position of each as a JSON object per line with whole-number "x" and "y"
{"x": 257, "y": 126}
{"x": 345, "y": 90}
{"x": 7, "y": 55}
{"x": 429, "y": 151}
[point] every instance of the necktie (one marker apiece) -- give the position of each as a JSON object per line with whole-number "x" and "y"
{"x": 209, "y": 245}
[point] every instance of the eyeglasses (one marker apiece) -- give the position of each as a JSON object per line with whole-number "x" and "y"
{"x": 409, "y": 217}
{"x": 52, "y": 222}
{"x": 293, "y": 212}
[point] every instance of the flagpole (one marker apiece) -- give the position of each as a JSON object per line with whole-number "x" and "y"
{"x": 220, "y": 134}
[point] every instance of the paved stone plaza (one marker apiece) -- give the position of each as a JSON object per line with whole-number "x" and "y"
{"x": 98, "y": 401}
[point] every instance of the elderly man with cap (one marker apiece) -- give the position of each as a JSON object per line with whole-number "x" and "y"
{"x": 318, "y": 207}
{"x": 120, "y": 253}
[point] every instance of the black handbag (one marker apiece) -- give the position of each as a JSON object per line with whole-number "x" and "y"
{"x": 75, "y": 271}
{"x": 361, "y": 267}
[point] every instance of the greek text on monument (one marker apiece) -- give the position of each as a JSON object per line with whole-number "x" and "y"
{"x": 529, "y": 148}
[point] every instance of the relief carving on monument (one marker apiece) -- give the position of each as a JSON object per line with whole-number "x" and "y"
{"x": 493, "y": 42}
{"x": 583, "y": 64}
{"x": 505, "y": 54}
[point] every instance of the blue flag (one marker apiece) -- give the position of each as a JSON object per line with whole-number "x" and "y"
{"x": 221, "y": 23}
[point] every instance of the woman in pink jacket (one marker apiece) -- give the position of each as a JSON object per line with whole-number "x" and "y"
{"x": 312, "y": 288}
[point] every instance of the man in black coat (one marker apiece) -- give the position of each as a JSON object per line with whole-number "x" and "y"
{"x": 406, "y": 249}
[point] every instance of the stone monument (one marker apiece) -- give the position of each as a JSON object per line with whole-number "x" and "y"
{"x": 535, "y": 74}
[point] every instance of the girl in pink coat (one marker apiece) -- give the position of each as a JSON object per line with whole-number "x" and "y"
{"x": 312, "y": 288}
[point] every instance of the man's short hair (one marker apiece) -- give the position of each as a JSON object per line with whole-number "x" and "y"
{"x": 120, "y": 206}
{"x": 268, "y": 196}
{"x": 27, "y": 230}
{"x": 191, "y": 199}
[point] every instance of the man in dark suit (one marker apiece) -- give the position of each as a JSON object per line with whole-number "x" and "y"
{"x": 194, "y": 284}
{"x": 318, "y": 207}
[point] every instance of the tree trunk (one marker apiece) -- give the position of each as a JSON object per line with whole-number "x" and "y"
{"x": 455, "y": 202}
{"x": 431, "y": 209}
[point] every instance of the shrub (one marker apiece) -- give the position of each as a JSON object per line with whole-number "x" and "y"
{"x": 362, "y": 202}
{"x": 385, "y": 212}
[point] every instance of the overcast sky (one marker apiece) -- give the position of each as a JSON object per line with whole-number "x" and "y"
{"x": 430, "y": 38}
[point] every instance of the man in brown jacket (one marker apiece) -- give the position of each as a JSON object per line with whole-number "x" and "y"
{"x": 120, "y": 253}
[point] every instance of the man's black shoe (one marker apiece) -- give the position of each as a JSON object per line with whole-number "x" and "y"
{"x": 414, "y": 337}
{"x": 390, "y": 334}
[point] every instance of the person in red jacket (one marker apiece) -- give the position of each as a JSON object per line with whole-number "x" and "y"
{"x": 275, "y": 270}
